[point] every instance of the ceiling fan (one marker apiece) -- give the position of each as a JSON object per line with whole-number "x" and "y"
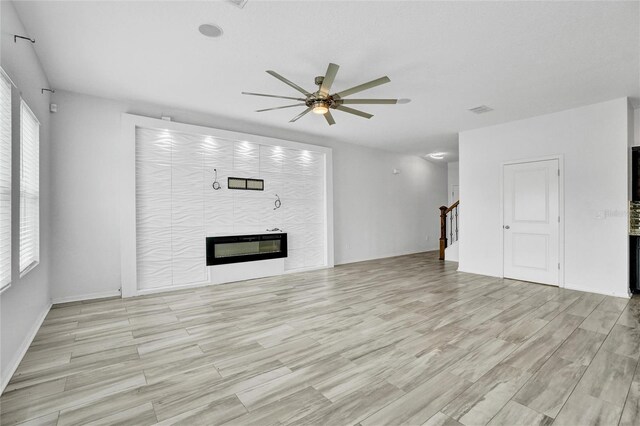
{"x": 321, "y": 101}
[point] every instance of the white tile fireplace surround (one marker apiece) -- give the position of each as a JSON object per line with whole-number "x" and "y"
{"x": 175, "y": 206}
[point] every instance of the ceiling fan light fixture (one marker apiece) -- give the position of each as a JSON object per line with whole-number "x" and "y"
{"x": 320, "y": 107}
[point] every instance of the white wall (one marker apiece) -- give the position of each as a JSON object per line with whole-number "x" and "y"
{"x": 453, "y": 178}
{"x": 636, "y": 126}
{"x": 376, "y": 213}
{"x": 379, "y": 214}
{"x": 26, "y": 302}
{"x": 594, "y": 142}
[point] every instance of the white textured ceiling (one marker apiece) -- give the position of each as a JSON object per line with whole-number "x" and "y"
{"x": 521, "y": 58}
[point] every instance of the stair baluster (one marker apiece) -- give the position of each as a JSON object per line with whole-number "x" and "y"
{"x": 444, "y": 211}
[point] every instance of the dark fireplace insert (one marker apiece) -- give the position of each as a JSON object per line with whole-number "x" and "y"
{"x": 246, "y": 248}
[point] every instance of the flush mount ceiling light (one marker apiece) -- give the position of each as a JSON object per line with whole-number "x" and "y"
{"x": 210, "y": 30}
{"x": 436, "y": 155}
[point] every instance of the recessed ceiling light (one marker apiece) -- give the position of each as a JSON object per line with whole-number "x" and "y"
{"x": 210, "y": 30}
{"x": 404, "y": 100}
{"x": 436, "y": 155}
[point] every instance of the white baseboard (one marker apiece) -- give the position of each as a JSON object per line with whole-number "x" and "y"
{"x": 170, "y": 288}
{"x": 90, "y": 296}
{"x": 15, "y": 362}
{"x": 293, "y": 271}
{"x": 589, "y": 290}
{"x": 484, "y": 274}
{"x": 309, "y": 269}
{"x": 383, "y": 256}
{"x": 565, "y": 286}
{"x": 208, "y": 283}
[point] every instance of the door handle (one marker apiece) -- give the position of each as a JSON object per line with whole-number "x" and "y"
{"x": 507, "y": 227}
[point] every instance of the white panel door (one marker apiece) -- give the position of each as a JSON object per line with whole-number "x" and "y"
{"x": 531, "y": 221}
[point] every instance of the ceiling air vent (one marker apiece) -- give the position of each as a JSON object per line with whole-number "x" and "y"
{"x": 239, "y": 3}
{"x": 481, "y": 109}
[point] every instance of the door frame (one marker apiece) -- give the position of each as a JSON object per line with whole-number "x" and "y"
{"x": 453, "y": 185}
{"x": 560, "y": 158}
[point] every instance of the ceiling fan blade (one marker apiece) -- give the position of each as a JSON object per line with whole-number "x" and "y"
{"x": 329, "y": 118}
{"x": 367, "y": 101}
{"x": 365, "y": 86}
{"x": 329, "y": 77}
{"x": 286, "y": 106}
{"x": 290, "y": 83}
{"x": 300, "y": 115}
{"x": 354, "y": 111}
{"x": 273, "y": 96}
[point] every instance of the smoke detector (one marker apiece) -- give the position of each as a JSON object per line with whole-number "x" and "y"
{"x": 210, "y": 30}
{"x": 238, "y": 3}
{"x": 481, "y": 109}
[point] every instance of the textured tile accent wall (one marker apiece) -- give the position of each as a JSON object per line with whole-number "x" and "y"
{"x": 153, "y": 208}
{"x": 177, "y": 206}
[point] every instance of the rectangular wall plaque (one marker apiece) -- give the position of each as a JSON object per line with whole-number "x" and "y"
{"x": 244, "y": 183}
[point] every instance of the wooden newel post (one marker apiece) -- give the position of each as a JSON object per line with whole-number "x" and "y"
{"x": 443, "y": 231}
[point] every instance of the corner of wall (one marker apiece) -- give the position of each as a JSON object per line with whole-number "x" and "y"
{"x": 26, "y": 303}
{"x": 22, "y": 349}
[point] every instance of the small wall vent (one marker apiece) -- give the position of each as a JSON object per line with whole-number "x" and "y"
{"x": 239, "y": 3}
{"x": 481, "y": 109}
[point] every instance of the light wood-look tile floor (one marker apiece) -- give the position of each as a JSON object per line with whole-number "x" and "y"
{"x": 405, "y": 340}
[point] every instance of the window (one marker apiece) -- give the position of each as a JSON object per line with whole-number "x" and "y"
{"x": 5, "y": 180}
{"x": 29, "y": 189}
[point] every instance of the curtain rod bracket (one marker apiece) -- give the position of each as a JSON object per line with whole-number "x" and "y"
{"x": 47, "y": 90}
{"x": 16, "y": 37}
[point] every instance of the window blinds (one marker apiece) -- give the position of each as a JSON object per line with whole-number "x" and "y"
{"x": 5, "y": 180}
{"x": 29, "y": 189}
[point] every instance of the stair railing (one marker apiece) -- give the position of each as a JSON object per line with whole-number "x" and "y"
{"x": 451, "y": 213}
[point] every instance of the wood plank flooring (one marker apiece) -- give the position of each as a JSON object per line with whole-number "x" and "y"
{"x": 405, "y": 340}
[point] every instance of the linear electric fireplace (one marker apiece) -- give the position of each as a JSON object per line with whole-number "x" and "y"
{"x": 245, "y": 248}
